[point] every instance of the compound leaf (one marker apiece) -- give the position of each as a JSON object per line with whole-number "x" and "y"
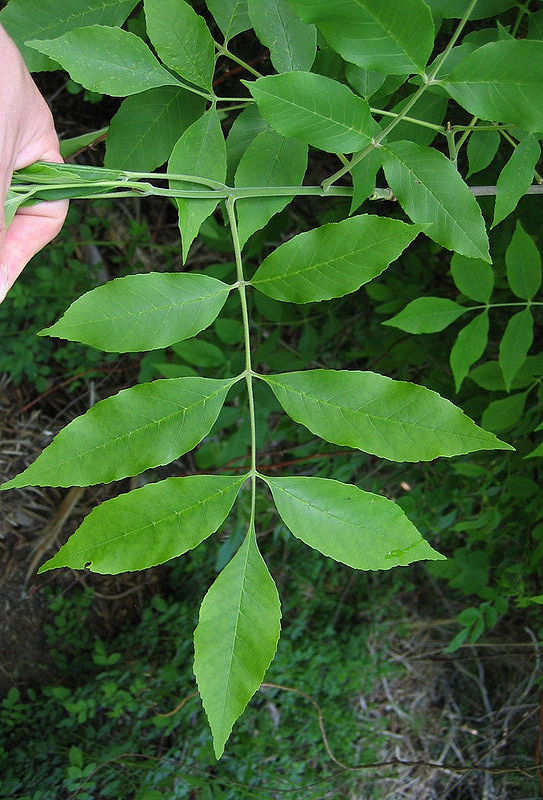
{"x": 270, "y": 160}
{"x": 292, "y": 43}
{"x": 182, "y": 40}
{"x": 334, "y": 259}
{"x": 107, "y": 60}
{"x": 318, "y": 110}
{"x": 175, "y": 515}
{"x": 468, "y": 348}
{"x": 430, "y": 190}
{"x": 201, "y": 152}
{"x": 137, "y": 429}
{"x": 142, "y": 312}
{"x": 515, "y": 178}
{"x": 427, "y": 315}
{"x": 515, "y": 343}
{"x": 391, "y": 419}
{"x": 473, "y": 277}
{"x": 502, "y": 81}
{"x": 523, "y": 264}
{"x": 144, "y": 130}
{"x": 394, "y": 38}
{"x": 236, "y": 638}
{"x": 361, "y": 529}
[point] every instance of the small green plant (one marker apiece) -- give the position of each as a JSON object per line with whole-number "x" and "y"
{"x": 331, "y": 63}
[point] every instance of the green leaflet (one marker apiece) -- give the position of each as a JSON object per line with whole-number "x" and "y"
{"x": 334, "y": 259}
{"x": 361, "y": 529}
{"x": 456, "y": 8}
{"x": 500, "y": 415}
{"x": 364, "y": 175}
{"x": 236, "y": 638}
{"x": 48, "y": 19}
{"x": 387, "y": 418}
{"x": 246, "y": 127}
{"x": 139, "y": 428}
{"x": 394, "y": 38}
{"x": 523, "y": 264}
{"x": 481, "y": 149}
{"x": 144, "y": 130}
{"x": 142, "y": 312}
{"x": 11, "y": 204}
{"x": 468, "y": 348}
{"x": 502, "y": 81}
{"x": 515, "y": 178}
{"x": 149, "y": 526}
{"x": 107, "y": 60}
{"x": 515, "y": 343}
{"x": 292, "y": 43}
{"x": 318, "y": 110}
{"x": 69, "y": 147}
{"x": 427, "y": 315}
{"x": 182, "y": 40}
{"x": 473, "y": 277}
{"x": 270, "y": 160}
{"x": 430, "y": 190}
{"x": 200, "y": 152}
{"x": 232, "y": 16}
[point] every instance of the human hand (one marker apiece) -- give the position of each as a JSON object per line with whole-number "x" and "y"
{"x": 27, "y": 134}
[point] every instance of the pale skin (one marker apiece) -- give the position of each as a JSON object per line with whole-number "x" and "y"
{"x": 27, "y": 134}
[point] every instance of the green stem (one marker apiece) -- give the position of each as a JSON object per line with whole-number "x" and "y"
{"x": 230, "y": 203}
{"x": 449, "y": 133}
{"x": 512, "y": 142}
{"x": 224, "y": 51}
{"x": 428, "y": 80}
{"x": 421, "y": 122}
{"x": 472, "y": 127}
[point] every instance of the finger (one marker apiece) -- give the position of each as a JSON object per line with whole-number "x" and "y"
{"x": 31, "y": 229}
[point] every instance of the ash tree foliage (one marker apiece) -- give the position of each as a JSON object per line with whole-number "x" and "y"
{"x": 394, "y": 91}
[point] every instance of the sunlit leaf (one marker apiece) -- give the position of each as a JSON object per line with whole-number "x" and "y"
{"x": 149, "y": 526}
{"x": 144, "y": 130}
{"x": 502, "y": 81}
{"x": 292, "y": 43}
{"x": 48, "y": 19}
{"x": 515, "y": 178}
{"x": 182, "y": 40}
{"x": 395, "y": 38}
{"x": 232, "y": 16}
{"x": 139, "y": 428}
{"x": 270, "y": 160}
{"x": 391, "y": 419}
{"x": 427, "y": 315}
{"x": 200, "y": 152}
{"x": 363, "y": 530}
{"x": 236, "y": 638}
{"x": 319, "y": 111}
{"x": 430, "y": 190}
{"x": 142, "y": 312}
{"x": 107, "y": 60}
{"x": 334, "y": 259}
